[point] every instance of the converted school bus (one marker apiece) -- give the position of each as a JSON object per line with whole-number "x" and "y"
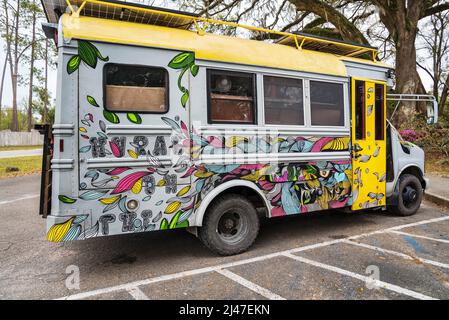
{"x": 160, "y": 125}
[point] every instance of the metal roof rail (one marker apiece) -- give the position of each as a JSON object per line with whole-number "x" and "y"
{"x": 130, "y": 12}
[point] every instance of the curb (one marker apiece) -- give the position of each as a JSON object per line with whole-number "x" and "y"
{"x": 439, "y": 200}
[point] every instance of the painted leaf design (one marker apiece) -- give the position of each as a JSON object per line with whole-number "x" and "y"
{"x": 171, "y": 123}
{"x": 66, "y": 199}
{"x": 184, "y": 128}
{"x": 93, "y": 194}
{"x": 164, "y": 224}
{"x": 134, "y": 117}
{"x": 73, "y": 64}
{"x": 85, "y": 149}
{"x": 73, "y": 233}
{"x": 93, "y": 174}
{"x": 117, "y": 171}
{"x": 88, "y": 53}
{"x": 109, "y": 200}
{"x": 183, "y": 191}
{"x": 172, "y": 207}
{"x": 92, "y": 101}
{"x": 58, "y": 231}
{"x": 102, "y": 126}
{"x": 111, "y": 116}
{"x": 182, "y": 60}
{"x": 101, "y": 134}
{"x": 137, "y": 187}
{"x": 115, "y": 149}
{"x": 82, "y": 129}
{"x": 128, "y": 182}
{"x": 122, "y": 204}
{"x": 184, "y": 98}
{"x": 99, "y": 55}
{"x": 132, "y": 154}
{"x": 194, "y": 69}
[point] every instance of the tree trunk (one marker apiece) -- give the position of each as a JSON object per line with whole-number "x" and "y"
{"x": 444, "y": 97}
{"x": 14, "y": 71}
{"x": 1, "y": 88}
{"x": 30, "y": 87}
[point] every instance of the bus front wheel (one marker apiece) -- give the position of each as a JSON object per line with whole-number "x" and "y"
{"x": 230, "y": 226}
{"x": 410, "y": 194}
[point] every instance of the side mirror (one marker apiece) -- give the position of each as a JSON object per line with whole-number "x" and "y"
{"x": 432, "y": 113}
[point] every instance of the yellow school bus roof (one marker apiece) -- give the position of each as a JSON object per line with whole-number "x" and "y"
{"x": 206, "y": 46}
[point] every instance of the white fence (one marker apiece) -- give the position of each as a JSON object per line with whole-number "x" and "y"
{"x": 8, "y": 138}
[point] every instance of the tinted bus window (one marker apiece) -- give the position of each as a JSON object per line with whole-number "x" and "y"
{"x": 327, "y": 104}
{"x": 283, "y": 100}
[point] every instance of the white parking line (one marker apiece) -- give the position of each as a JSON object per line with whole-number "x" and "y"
{"x": 398, "y": 254}
{"x": 193, "y": 272}
{"x": 250, "y": 285}
{"x": 419, "y": 236}
{"x": 378, "y": 283}
{"x": 137, "y": 294}
{"x": 29, "y": 196}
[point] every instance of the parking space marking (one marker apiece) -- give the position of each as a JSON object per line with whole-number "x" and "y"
{"x": 398, "y": 254}
{"x": 126, "y": 286}
{"x": 26, "y": 197}
{"x": 374, "y": 282}
{"x": 419, "y": 236}
{"x": 250, "y": 285}
{"x": 137, "y": 294}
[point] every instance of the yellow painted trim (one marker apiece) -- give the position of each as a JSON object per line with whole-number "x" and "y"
{"x": 208, "y": 46}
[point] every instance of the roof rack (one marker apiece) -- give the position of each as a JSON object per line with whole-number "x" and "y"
{"x": 131, "y": 12}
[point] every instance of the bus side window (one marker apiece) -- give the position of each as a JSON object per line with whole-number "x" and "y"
{"x": 283, "y": 100}
{"x": 135, "y": 88}
{"x": 360, "y": 113}
{"x": 231, "y": 97}
{"x": 379, "y": 111}
{"x": 326, "y": 103}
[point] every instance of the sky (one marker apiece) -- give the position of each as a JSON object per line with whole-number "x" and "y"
{"x": 23, "y": 91}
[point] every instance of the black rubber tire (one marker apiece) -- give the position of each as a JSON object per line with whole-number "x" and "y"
{"x": 401, "y": 209}
{"x": 222, "y": 205}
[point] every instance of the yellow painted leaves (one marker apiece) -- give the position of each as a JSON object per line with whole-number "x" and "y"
{"x": 234, "y": 140}
{"x": 172, "y": 207}
{"x": 109, "y": 200}
{"x": 137, "y": 187}
{"x": 132, "y": 154}
{"x": 183, "y": 191}
{"x": 58, "y": 231}
{"x": 337, "y": 144}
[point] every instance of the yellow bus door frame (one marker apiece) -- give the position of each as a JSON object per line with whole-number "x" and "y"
{"x": 368, "y": 143}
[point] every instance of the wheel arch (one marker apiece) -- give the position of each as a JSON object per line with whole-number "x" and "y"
{"x": 415, "y": 170}
{"x": 228, "y": 187}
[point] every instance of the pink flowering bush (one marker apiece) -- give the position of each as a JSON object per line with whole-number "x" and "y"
{"x": 409, "y": 135}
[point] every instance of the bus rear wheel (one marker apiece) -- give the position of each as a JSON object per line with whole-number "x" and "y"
{"x": 410, "y": 196}
{"x": 230, "y": 226}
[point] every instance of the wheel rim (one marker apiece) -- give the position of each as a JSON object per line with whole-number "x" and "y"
{"x": 232, "y": 227}
{"x": 410, "y": 196}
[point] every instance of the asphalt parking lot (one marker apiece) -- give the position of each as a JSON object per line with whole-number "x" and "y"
{"x": 329, "y": 255}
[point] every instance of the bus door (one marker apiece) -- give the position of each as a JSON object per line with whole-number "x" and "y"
{"x": 368, "y": 144}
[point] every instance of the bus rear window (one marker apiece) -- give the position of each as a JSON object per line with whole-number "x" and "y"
{"x": 135, "y": 88}
{"x": 231, "y": 97}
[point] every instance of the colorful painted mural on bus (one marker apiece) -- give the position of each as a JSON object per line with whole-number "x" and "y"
{"x": 161, "y": 201}
{"x": 289, "y": 188}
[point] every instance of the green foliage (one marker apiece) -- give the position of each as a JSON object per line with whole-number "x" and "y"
{"x": 88, "y": 53}
{"x": 184, "y": 61}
